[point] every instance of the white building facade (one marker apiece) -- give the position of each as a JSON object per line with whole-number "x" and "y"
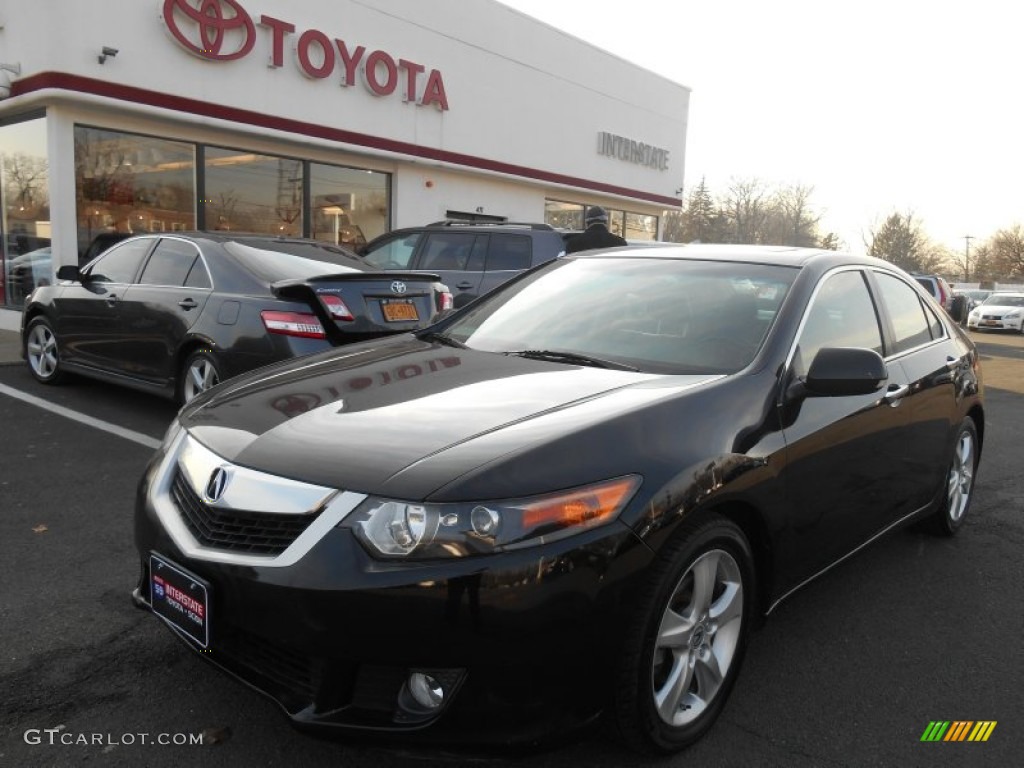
{"x": 333, "y": 119}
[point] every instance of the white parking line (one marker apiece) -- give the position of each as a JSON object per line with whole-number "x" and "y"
{"x": 60, "y": 410}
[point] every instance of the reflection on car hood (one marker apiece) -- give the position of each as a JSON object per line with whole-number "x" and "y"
{"x": 355, "y": 417}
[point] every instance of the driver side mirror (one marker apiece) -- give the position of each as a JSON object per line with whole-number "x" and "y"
{"x": 68, "y": 272}
{"x": 842, "y": 372}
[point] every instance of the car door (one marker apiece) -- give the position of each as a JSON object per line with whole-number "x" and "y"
{"x": 931, "y": 362}
{"x": 160, "y": 308}
{"x": 842, "y": 471}
{"x": 458, "y": 258}
{"x": 88, "y": 316}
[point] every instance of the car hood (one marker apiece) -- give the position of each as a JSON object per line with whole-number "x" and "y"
{"x": 995, "y": 308}
{"x": 357, "y": 417}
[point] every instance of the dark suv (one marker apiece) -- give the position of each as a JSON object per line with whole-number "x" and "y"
{"x": 938, "y": 288}
{"x": 471, "y": 257}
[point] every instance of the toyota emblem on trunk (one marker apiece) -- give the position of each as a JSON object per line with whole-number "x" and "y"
{"x": 217, "y": 483}
{"x": 398, "y": 287}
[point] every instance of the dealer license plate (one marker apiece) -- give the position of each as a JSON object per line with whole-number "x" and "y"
{"x": 990, "y": 322}
{"x": 180, "y": 598}
{"x": 397, "y": 310}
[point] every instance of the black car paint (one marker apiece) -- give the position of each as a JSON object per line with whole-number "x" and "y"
{"x": 538, "y": 652}
{"x": 139, "y": 335}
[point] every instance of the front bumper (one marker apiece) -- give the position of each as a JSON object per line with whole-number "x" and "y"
{"x": 524, "y": 642}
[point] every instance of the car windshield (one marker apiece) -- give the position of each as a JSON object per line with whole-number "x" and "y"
{"x": 654, "y": 315}
{"x": 1004, "y": 300}
{"x": 274, "y": 260}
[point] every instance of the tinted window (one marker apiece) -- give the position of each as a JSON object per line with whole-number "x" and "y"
{"x": 910, "y": 324}
{"x": 447, "y": 250}
{"x": 198, "y": 277}
{"x": 119, "y": 264}
{"x": 274, "y": 260}
{"x": 395, "y": 253}
{"x": 842, "y": 314}
{"x": 508, "y": 252}
{"x": 170, "y": 263}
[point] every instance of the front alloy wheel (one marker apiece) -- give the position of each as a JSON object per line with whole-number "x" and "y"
{"x": 42, "y": 352}
{"x": 683, "y": 650}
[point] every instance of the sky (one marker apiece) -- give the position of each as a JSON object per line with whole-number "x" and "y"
{"x": 897, "y": 106}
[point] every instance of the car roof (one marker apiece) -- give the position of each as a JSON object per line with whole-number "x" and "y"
{"x": 778, "y": 255}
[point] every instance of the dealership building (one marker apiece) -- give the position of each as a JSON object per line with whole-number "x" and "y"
{"x": 332, "y": 119}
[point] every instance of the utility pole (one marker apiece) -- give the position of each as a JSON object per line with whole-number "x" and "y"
{"x": 967, "y": 257}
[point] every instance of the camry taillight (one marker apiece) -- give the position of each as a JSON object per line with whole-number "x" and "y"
{"x": 336, "y": 307}
{"x": 446, "y": 301}
{"x": 300, "y": 324}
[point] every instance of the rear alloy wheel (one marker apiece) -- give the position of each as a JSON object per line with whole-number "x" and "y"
{"x": 684, "y": 651}
{"x": 42, "y": 352}
{"x": 959, "y": 480}
{"x": 198, "y": 374}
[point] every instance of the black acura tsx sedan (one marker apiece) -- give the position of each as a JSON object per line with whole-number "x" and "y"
{"x": 572, "y": 498}
{"x": 175, "y": 314}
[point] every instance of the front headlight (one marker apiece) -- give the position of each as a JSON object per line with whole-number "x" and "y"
{"x": 1013, "y": 314}
{"x": 417, "y": 530}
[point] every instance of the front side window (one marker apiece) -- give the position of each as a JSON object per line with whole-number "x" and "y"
{"x": 447, "y": 250}
{"x": 394, "y": 253}
{"x": 841, "y": 314}
{"x": 121, "y": 263}
{"x": 909, "y": 321}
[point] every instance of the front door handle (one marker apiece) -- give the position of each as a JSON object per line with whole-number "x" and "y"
{"x": 952, "y": 363}
{"x": 188, "y": 304}
{"x": 895, "y": 393}
{"x": 111, "y": 300}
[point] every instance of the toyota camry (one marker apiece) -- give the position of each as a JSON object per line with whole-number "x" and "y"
{"x": 572, "y": 498}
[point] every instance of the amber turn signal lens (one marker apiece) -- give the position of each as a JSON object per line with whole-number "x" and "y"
{"x": 585, "y": 507}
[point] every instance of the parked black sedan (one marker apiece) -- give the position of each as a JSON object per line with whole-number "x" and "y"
{"x": 573, "y": 496}
{"x": 175, "y": 314}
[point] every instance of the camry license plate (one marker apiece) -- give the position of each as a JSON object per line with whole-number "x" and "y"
{"x": 180, "y": 598}
{"x": 399, "y": 310}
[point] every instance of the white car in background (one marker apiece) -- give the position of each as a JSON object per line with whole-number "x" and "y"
{"x": 1000, "y": 311}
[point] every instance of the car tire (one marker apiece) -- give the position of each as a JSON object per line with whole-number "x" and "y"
{"x": 42, "y": 352}
{"x": 683, "y": 650}
{"x": 199, "y": 372}
{"x": 959, "y": 490}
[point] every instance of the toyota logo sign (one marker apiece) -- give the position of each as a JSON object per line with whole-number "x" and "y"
{"x": 398, "y": 287}
{"x": 219, "y": 30}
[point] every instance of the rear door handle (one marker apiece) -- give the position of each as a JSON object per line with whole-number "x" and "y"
{"x": 896, "y": 393}
{"x": 111, "y": 300}
{"x": 952, "y": 363}
{"x": 188, "y": 304}
{"x": 465, "y": 285}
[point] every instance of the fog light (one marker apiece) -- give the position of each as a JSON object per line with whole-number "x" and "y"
{"x": 426, "y": 691}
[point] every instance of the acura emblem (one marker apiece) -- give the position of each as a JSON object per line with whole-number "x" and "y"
{"x": 217, "y": 483}
{"x": 398, "y": 287}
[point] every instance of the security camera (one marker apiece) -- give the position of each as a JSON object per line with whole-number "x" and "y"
{"x": 6, "y": 70}
{"x": 108, "y": 52}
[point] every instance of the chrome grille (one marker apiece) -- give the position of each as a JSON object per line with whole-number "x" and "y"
{"x": 257, "y": 533}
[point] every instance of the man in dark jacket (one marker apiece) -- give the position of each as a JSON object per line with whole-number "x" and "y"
{"x": 596, "y": 235}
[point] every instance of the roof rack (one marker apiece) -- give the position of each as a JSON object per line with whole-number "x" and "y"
{"x": 467, "y": 223}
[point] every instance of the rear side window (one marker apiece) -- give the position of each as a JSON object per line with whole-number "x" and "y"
{"x": 396, "y": 253}
{"x": 121, "y": 263}
{"x": 170, "y": 263}
{"x": 447, "y": 250}
{"x": 508, "y": 253}
{"x": 910, "y": 324}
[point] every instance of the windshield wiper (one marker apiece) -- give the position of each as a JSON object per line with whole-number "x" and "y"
{"x": 571, "y": 357}
{"x": 440, "y": 338}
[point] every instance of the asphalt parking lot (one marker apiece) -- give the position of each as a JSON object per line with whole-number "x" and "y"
{"x": 849, "y": 672}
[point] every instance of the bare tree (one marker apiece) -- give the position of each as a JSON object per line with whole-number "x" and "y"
{"x": 746, "y": 208}
{"x": 901, "y": 240}
{"x": 1007, "y": 249}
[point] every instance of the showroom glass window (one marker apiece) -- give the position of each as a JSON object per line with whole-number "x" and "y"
{"x": 248, "y": 192}
{"x": 842, "y": 314}
{"x": 127, "y": 183}
{"x": 348, "y": 206}
{"x": 24, "y": 210}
